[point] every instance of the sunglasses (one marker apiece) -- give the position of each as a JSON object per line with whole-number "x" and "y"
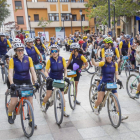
{"x": 20, "y": 50}
{"x": 38, "y": 40}
{"x": 108, "y": 55}
{"x": 54, "y": 51}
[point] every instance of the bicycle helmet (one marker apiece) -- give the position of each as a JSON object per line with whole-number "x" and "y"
{"x": 29, "y": 40}
{"x": 76, "y": 46}
{"x": 16, "y": 40}
{"x": 54, "y": 46}
{"x": 72, "y": 45}
{"x": 23, "y": 32}
{"x": 84, "y": 37}
{"x": 2, "y": 34}
{"x": 37, "y": 37}
{"x": 18, "y": 45}
{"x": 109, "y": 52}
{"x": 108, "y": 40}
{"x": 127, "y": 36}
{"x": 104, "y": 36}
{"x": 7, "y": 34}
{"x": 52, "y": 38}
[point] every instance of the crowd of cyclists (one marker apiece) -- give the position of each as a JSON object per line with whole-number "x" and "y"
{"x": 23, "y": 53}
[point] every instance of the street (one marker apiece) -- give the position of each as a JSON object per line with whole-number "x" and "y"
{"x": 82, "y": 124}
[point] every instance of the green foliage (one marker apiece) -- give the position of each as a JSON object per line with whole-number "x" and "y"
{"x": 43, "y": 23}
{"x": 21, "y": 30}
{"x": 122, "y": 8}
{"x": 4, "y": 11}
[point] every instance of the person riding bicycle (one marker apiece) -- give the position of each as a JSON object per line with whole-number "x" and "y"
{"x": 124, "y": 46}
{"x": 41, "y": 47}
{"x": 79, "y": 59}
{"x": 8, "y": 38}
{"x": 33, "y": 51}
{"x": 56, "y": 64}
{"x": 108, "y": 42}
{"x": 109, "y": 70}
{"x": 52, "y": 41}
{"x": 85, "y": 44}
{"x": 20, "y": 67}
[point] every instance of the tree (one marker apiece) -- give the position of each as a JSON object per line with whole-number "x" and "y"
{"x": 4, "y": 11}
{"x": 122, "y": 8}
{"x": 43, "y": 23}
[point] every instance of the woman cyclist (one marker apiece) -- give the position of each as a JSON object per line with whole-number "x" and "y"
{"x": 109, "y": 70}
{"x": 56, "y": 64}
{"x": 41, "y": 47}
{"x": 20, "y": 67}
{"x": 78, "y": 58}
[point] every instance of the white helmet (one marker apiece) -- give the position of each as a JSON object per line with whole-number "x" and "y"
{"x": 2, "y": 34}
{"x": 7, "y": 34}
{"x": 17, "y": 40}
{"x": 26, "y": 40}
{"x": 29, "y": 40}
{"x": 18, "y": 45}
{"x": 54, "y": 46}
{"x": 73, "y": 45}
{"x": 76, "y": 46}
{"x": 105, "y": 36}
{"x": 109, "y": 52}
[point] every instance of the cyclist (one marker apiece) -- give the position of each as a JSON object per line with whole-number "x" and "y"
{"x": 85, "y": 44}
{"x": 109, "y": 45}
{"x": 19, "y": 67}
{"x": 109, "y": 70}
{"x": 32, "y": 51}
{"x": 8, "y": 38}
{"x": 52, "y": 41}
{"x": 124, "y": 46}
{"x": 41, "y": 47}
{"x": 77, "y": 57}
{"x": 56, "y": 64}
{"x": 20, "y": 36}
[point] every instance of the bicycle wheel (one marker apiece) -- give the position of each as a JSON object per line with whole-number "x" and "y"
{"x": 72, "y": 95}
{"x": 58, "y": 107}
{"x": 7, "y": 101}
{"x": 3, "y": 72}
{"x": 93, "y": 95}
{"x": 94, "y": 76}
{"x": 27, "y": 115}
{"x": 42, "y": 93}
{"x": 90, "y": 68}
{"x": 114, "y": 110}
{"x": 131, "y": 85}
{"x": 127, "y": 70}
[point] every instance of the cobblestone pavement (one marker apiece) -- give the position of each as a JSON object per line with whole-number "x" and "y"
{"x": 82, "y": 123}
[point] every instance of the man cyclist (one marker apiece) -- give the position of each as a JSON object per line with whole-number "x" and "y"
{"x": 85, "y": 44}
{"x": 52, "y": 41}
{"x": 20, "y": 36}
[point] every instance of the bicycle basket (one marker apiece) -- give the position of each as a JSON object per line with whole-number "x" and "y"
{"x": 71, "y": 74}
{"x": 58, "y": 84}
{"x": 26, "y": 91}
{"x": 38, "y": 66}
{"x": 110, "y": 86}
{"x": 125, "y": 58}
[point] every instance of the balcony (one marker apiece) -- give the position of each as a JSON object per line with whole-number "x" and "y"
{"x": 37, "y": 5}
{"x": 34, "y": 24}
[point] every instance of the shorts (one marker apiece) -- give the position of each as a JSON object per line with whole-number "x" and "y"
{"x": 50, "y": 87}
{"x": 133, "y": 62}
{"x": 77, "y": 78}
{"x": 20, "y": 82}
{"x": 103, "y": 88}
{"x": 124, "y": 53}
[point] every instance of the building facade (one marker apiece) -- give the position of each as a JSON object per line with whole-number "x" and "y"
{"x": 54, "y": 10}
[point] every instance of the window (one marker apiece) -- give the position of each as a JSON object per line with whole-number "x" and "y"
{"x": 83, "y": 17}
{"x": 36, "y": 17}
{"x": 66, "y": 17}
{"x": 74, "y": 17}
{"x": 73, "y": 1}
{"x": 64, "y": 0}
{"x": 18, "y": 5}
{"x": 20, "y": 20}
{"x": 54, "y": 17}
{"x": 118, "y": 21}
{"x": 52, "y": 0}
{"x": 81, "y": 0}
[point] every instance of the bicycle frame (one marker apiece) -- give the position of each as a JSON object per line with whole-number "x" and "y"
{"x": 122, "y": 67}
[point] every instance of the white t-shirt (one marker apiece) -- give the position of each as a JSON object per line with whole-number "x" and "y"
{"x": 90, "y": 48}
{"x": 115, "y": 44}
{"x": 11, "y": 53}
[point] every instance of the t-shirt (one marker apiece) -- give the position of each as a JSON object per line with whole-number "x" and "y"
{"x": 20, "y": 37}
{"x": 95, "y": 43}
{"x": 100, "y": 43}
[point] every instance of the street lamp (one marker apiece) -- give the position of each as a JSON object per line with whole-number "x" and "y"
{"x": 94, "y": 6}
{"x": 71, "y": 22}
{"x": 114, "y": 18}
{"x": 81, "y": 19}
{"x": 63, "y": 26}
{"x": 29, "y": 18}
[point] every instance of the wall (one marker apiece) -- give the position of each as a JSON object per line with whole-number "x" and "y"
{"x": 42, "y": 13}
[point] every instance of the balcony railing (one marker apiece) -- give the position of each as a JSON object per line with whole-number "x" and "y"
{"x": 75, "y": 1}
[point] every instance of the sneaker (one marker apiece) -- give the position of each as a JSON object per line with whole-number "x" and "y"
{"x": 137, "y": 96}
{"x": 124, "y": 117}
{"x": 65, "y": 114}
{"x": 78, "y": 103}
{"x": 30, "y": 124}
{"x": 10, "y": 120}
{"x": 96, "y": 111}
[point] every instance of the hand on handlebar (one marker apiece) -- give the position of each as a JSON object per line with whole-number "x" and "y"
{"x": 12, "y": 87}
{"x": 37, "y": 85}
{"x": 67, "y": 80}
{"x": 119, "y": 83}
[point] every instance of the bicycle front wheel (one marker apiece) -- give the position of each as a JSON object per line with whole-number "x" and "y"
{"x": 42, "y": 93}
{"x": 131, "y": 85}
{"x": 114, "y": 110}
{"x": 94, "y": 76}
{"x": 58, "y": 107}
{"x": 127, "y": 70}
{"x": 27, "y": 118}
{"x": 90, "y": 68}
{"x": 72, "y": 95}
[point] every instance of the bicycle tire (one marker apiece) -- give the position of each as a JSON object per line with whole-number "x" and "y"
{"x": 92, "y": 96}
{"x": 70, "y": 94}
{"x": 2, "y": 72}
{"x": 58, "y": 95}
{"x": 90, "y": 66}
{"x": 92, "y": 78}
{"x": 127, "y": 70}
{"x": 42, "y": 95}
{"x": 116, "y": 113}
{"x": 22, "y": 123}
{"x": 131, "y": 86}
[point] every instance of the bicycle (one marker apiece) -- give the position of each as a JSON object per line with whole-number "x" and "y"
{"x": 132, "y": 86}
{"x": 56, "y": 99}
{"x": 23, "y": 107}
{"x": 113, "y": 106}
{"x": 125, "y": 65}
